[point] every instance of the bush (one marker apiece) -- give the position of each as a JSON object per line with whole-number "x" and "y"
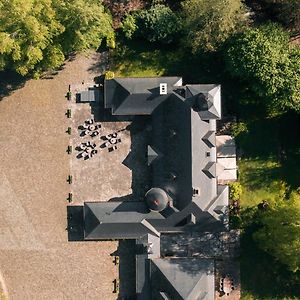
{"x": 158, "y": 24}
{"x": 238, "y": 128}
{"x": 110, "y": 41}
{"x": 279, "y": 233}
{"x": 262, "y": 59}
{"x": 129, "y": 26}
{"x": 207, "y": 24}
{"x": 235, "y": 222}
{"x": 109, "y": 75}
{"x": 235, "y": 190}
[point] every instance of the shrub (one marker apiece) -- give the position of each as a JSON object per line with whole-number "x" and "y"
{"x": 110, "y": 41}
{"x": 235, "y": 190}
{"x": 238, "y": 128}
{"x": 129, "y": 26}
{"x": 264, "y": 61}
{"x": 158, "y": 24}
{"x": 279, "y": 233}
{"x": 207, "y": 24}
{"x": 109, "y": 75}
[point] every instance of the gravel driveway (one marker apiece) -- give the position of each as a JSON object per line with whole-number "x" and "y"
{"x": 36, "y": 260}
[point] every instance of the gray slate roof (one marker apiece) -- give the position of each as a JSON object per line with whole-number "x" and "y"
{"x": 210, "y": 108}
{"x": 137, "y": 96}
{"x": 117, "y": 220}
{"x": 182, "y": 278}
{"x": 182, "y": 157}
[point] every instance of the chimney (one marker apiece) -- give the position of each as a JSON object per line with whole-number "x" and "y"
{"x": 163, "y": 89}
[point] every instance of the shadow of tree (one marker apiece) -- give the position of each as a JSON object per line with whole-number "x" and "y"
{"x": 261, "y": 275}
{"x": 9, "y": 82}
{"x": 259, "y": 175}
{"x": 272, "y": 139}
{"x": 99, "y": 66}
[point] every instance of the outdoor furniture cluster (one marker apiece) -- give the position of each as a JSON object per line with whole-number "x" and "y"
{"x": 87, "y": 150}
{"x": 226, "y": 285}
{"x": 89, "y": 128}
{"x": 110, "y": 141}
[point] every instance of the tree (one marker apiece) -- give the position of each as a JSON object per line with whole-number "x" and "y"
{"x": 36, "y": 34}
{"x": 85, "y": 22}
{"x": 264, "y": 61}
{"x": 280, "y": 232}
{"x": 129, "y": 26}
{"x": 158, "y": 24}
{"x": 209, "y": 23}
{"x": 27, "y": 28}
{"x": 286, "y": 12}
{"x": 120, "y": 8}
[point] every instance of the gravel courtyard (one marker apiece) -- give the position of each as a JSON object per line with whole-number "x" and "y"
{"x": 36, "y": 259}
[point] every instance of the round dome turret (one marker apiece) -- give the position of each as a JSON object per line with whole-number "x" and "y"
{"x": 156, "y": 199}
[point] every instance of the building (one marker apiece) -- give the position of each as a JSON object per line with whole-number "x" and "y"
{"x": 185, "y": 193}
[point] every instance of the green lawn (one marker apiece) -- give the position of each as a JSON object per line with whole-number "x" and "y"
{"x": 261, "y": 172}
{"x": 260, "y": 181}
{"x": 140, "y": 59}
{"x": 265, "y": 175}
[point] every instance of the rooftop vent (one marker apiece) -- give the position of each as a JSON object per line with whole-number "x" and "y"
{"x": 163, "y": 89}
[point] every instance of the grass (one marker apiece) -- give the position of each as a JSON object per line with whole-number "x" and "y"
{"x": 260, "y": 181}
{"x": 140, "y": 59}
{"x": 262, "y": 277}
{"x": 266, "y": 174}
{"x": 133, "y": 59}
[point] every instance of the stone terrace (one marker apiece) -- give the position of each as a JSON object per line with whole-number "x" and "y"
{"x": 107, "y": 175}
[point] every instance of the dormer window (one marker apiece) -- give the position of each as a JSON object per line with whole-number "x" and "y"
{"x": 163, "y": 89}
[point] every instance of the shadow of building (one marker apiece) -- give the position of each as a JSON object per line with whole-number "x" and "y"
{"x": 75, "y": 223}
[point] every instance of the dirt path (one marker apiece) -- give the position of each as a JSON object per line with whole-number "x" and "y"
{"x": 36, "y": 260}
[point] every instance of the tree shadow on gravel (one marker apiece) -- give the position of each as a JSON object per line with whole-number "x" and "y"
{"x": 9, "y": 82}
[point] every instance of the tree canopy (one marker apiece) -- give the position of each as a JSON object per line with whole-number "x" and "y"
{"x": 209, "y": 23}
{"x": 158, "y": 24}
{"x": 286, "y": 12}
{"x": 35, "y": 34}
{"x": 85, "y": 23}
{"x": 280, "y": 232}
{"x": 263, "y": 59}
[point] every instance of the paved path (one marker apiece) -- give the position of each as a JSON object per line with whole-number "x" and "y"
{"x": 36, "y": 260}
